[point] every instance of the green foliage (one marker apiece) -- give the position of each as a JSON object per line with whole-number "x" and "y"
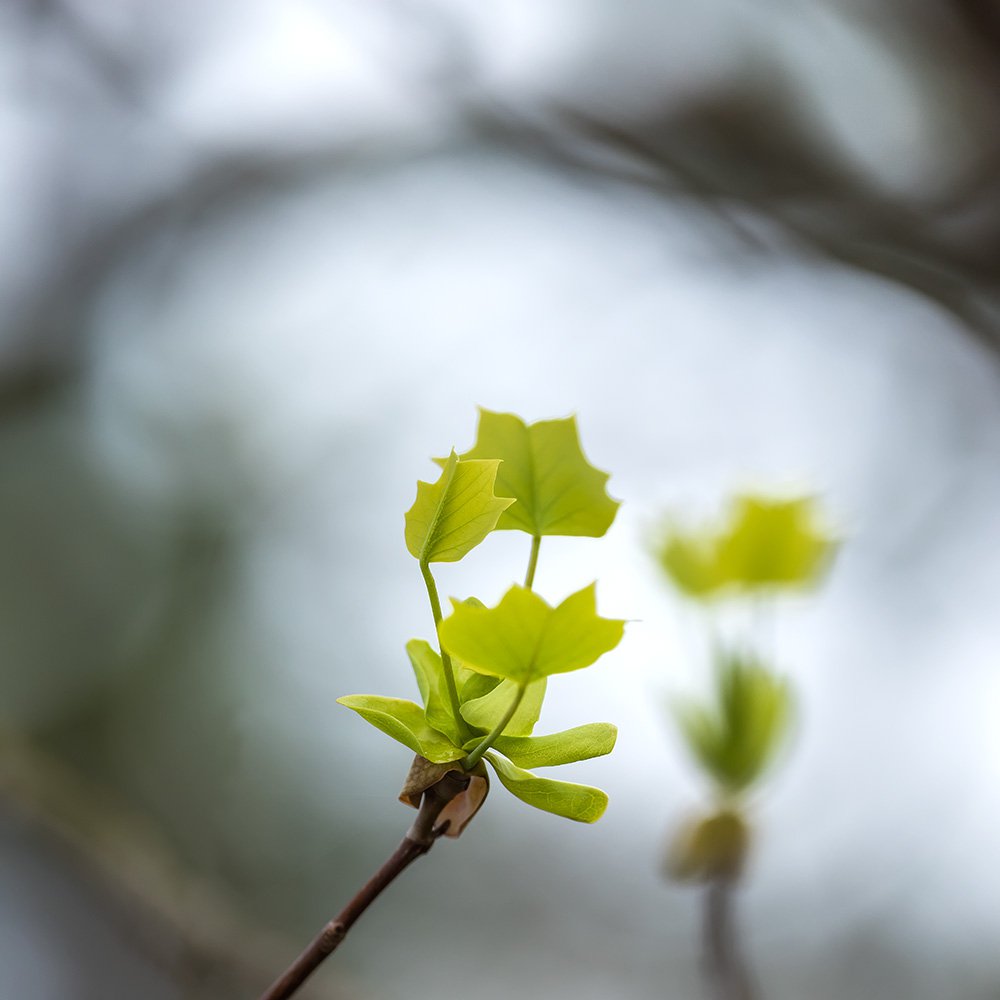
{"x": 523, "y": 638}
{"x": 735, "y": 739}
{"x": 485, "y": 686}
{"x": 485, "y": 712}
{"x": 764, "y": 548}
{"x": 406, "y": 723}
{"x": 579, "y": 802}
{"x": 593, "y": 740}
{"x": 433, "y": 685}
{"x": 775, "y": 543}
{"x": 691, "y": 562}
{"x": 765, "y": 545}
{"x": 453, "y": 515}
{"x": 558, "y": 491}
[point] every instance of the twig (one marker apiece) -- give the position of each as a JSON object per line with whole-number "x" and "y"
{"x": 418, "y": 841}
{"x": 726, "y": 972}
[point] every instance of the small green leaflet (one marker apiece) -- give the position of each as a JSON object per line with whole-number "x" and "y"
{"x": 405, "y": 722}
{"x": 579, "y": 802}
{"x": 429, "y": 672}
{"x": 765, "y": 544}
{"x": 558, "y": 491}
{"x": 453, "y": 515}
{"x": 486, "y": 711}
{"x": 523, "y": 638}
{"x": 483, "y": 710}
{"x": 735, "y": 739}
{"x": 582, "y": 743}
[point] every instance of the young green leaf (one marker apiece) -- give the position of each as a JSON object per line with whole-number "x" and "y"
{"x": 773, "y": 543}
{"x": 579, "y": 802}
{"x": 558, "y": 491}
{"x": 593, "y": 740}
{"x": 453, "y": 515}
{"x": 486, "y": 711}
{"x": 736, "y": 739}
{"x": 472, "y": 687}
{"x": 691, "y": 561}
{"x": 430, "y": 676}
{"x": 523, "y": 638}
{"x": 405, "y": 722}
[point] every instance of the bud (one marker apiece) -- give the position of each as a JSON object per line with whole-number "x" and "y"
{"x": 459, "y": 812}
{"x": 709, "y": 849}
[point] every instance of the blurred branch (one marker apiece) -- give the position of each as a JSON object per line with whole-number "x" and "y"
{"x": 725, "y": 968}
{"x": 120, "y": 71}
{"x": 830, "y": 214}
{"x": 47, "y": 337}
{"x": 178, "y": 921}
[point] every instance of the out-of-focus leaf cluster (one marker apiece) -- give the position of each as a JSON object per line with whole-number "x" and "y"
{"x": 764, "y": 545}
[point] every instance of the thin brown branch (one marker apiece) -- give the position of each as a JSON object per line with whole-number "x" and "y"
{"x": 417, "y": 842}
{"x": 726, "y": 972}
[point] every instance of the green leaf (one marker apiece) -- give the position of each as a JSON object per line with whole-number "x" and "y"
{"x": 593, "y": 740}
{"x": 765, "y": 544}
{"x": 579, "y": 802}
{"x": 523, "y": 638}
{"x": 736, "y": 739}
{"x": 692, "y": 563}
{"x": 474, "y": 686}
{"x": 404, "y": 722}
{"x": 486, "y": 711}
{"x": 456, "y": 513}
{"x": 430, "y": 676}
{"x": 558, "y": 491}
{"x": 772, "y": 543}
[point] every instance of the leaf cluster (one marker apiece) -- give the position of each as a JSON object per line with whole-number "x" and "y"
{"x": 735, "y": 738}
{"x": 482, "y": 689}
{"x": 764, "y": 545}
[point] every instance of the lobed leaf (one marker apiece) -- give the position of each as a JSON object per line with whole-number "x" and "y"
{"x": 523, "y": 638}
{"x": 406, "y": 723}
{"x": 774, "y": 543}
{"x": 558, "y": 491}
{"x": 582, "y": 743}
{"x": 578, "y": 802}
{"x": 453, "y": 515}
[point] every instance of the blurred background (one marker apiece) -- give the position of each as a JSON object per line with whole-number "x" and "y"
{"x": 259, "y": 261}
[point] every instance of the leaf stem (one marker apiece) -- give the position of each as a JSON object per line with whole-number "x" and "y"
{"x": 449, "y": 670}
{"x": 487, "y": 741}
{"x": 418, "y": 841}
{"x": 529, "y": 577}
